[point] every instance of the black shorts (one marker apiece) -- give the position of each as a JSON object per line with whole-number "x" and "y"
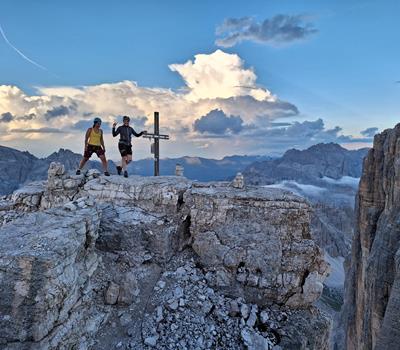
{"x": 124, "y": 149}
{"x": 93, "y": 149}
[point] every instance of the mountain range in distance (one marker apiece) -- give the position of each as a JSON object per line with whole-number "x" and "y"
{"x": 314, "y": 165}
{"x": 322, "y": 161}
{"x": 197, "y": 168}
{"x": 19, "y": 167}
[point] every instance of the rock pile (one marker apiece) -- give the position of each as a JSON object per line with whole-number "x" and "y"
{"x": 190, "y": 314}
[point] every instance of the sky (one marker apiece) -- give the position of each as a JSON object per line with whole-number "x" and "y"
{"x": 228, "y": 77}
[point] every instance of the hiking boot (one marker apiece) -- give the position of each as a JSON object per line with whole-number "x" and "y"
{"x": 106, "y": 173}
{"x": 78, "y": 172}
{"x": 119, "y": 170}
{"x": 125, "y": 173}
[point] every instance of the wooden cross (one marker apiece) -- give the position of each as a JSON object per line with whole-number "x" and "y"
{"x": 155, "y": 146}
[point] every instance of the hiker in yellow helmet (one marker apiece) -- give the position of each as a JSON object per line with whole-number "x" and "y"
{"x": 94, "y": 143}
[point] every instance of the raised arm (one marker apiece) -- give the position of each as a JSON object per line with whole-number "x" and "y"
{"x": 115, "y": 132}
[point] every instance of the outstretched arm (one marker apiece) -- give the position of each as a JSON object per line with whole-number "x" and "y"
{"x": 138, "y": 134}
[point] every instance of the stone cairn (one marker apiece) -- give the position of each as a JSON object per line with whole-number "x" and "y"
{"x": 238, "y": 181}
{"x": 179, "y": 170}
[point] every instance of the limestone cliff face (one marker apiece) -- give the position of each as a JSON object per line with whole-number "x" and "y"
{"x": 153, "y": 262}
{"x": 372, "y": 299}
{"x": 46, "y": 261}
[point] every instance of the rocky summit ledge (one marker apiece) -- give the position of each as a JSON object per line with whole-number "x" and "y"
{"x": 79, "y": 237}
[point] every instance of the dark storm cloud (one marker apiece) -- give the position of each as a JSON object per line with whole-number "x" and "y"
{"x": 218, "y": 123}
{"x": 279, "y": 29}
{"x": 28, "y": 116}
{"x": 370, "y": 132}
{"x": 6, "y": 117}
{"x": 60, "y": 111}
{"x": 234, "y": 24}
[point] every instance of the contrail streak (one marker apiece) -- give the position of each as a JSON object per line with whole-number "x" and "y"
{"x": 19, "y": 52}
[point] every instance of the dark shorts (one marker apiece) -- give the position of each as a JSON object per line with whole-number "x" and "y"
{"x": 93, "y": 149}
{"x": 124, "y": 149}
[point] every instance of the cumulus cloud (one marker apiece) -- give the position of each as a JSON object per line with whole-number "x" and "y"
{"x": 217, "y": 122}
{"x": 215, "y": 81}
{"x": 370, "y": 132}
{"x": 280, "y": 29}
{"x": 220, "y": 110}
{"x": 219, "y": 75}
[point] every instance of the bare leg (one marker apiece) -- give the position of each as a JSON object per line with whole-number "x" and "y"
{"x": 129, "y": 159}
{"x": 104, "y": 162}
{"x": 83, "y": 162}
{"x": 123, "y": 163}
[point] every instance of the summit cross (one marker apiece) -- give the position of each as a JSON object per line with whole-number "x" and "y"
{"x": 155, "y": 146}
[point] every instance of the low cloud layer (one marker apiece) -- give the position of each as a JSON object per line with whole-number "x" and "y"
{"x": 280, "y": 29}
{"x": 38, "y": 131}
{"x": 303, "y": 134}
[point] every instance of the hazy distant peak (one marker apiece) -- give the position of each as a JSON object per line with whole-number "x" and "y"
{"x": 192, "y": 160}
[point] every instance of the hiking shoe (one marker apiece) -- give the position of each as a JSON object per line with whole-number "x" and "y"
{"x": 125, "y": 173}
{"x": 106, "y": 173}
{"x": 78, "y": 172}
{"x": 119, "y": 170}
